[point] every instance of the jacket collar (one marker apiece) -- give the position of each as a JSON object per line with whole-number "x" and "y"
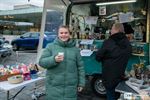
{"x": 69, "y": 43}
{"x": 118, "y": 36}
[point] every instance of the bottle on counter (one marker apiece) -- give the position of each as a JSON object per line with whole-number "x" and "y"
{"x": 107, "y": 34}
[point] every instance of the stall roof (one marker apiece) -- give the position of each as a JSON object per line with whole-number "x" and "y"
{"x": 93, "y": 1}
{"x": 4, "y": 22}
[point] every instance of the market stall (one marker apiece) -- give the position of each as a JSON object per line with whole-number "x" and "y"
{"x": 93, "y": 22}
{"x": 90, "y": 22}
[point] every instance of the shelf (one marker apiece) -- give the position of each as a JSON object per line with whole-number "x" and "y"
{"x": 141, "y": 54}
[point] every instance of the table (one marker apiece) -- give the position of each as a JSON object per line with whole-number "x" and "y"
{"x": 7, "y": 86}
{"x": 122, "y": 87}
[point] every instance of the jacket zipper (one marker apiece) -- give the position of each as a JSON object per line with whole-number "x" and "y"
{"x": 65, "y": 55}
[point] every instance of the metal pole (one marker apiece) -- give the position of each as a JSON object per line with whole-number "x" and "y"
{"x": 7, "y": 95}
{"x": 148, "y": 28}
{"x": 40, "y": 46}
{"x": 148, "y": 22}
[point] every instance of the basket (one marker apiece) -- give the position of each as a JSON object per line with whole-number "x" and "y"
{"x": 4, "y": 77}
{"x": 15, "y": 79}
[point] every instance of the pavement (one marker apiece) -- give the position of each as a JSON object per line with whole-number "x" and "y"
{"x": 28, "y": 57}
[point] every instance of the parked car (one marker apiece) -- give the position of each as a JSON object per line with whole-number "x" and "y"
{"x": 30, "y": 40}
{"x": 5, "y": 47}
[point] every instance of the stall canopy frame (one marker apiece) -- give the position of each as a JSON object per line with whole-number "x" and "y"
{"x": 48, "y": 4}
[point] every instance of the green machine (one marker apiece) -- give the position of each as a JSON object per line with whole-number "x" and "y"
{"x": 91, "y": 65}
{"x": 140, "y": 55}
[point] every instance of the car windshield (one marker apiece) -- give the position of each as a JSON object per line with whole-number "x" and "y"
{"x": 50, "y": 33}
{"x": 30, "y": 34}
{"x": 26, "y": 35}
{"x": 35, "y": 35}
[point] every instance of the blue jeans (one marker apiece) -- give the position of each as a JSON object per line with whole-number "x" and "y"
{"x": 111, "y": 94}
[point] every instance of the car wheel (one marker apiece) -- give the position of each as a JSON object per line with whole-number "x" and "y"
{"x": 98, "y": 87}
{"x": 3, "y": 55}
{"x": 36, "y": 47}
{"x": 15, "y": 47}
{"x": 6, "y": 42}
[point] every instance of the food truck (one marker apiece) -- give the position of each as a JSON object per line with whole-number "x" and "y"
{"x": 90, "y": 23}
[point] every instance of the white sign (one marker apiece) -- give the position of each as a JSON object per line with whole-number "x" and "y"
{"x": 86, "y": 52}
{"x": 91, "y": 19}
{"x": 86, "y": 41}
{"x": 128, "y": 96}
{"x": 125, "y": 17}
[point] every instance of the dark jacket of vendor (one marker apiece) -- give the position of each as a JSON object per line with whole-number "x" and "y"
{"x": 114, "y": 55}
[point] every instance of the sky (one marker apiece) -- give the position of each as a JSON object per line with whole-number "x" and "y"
{"x": 8, "y": 4}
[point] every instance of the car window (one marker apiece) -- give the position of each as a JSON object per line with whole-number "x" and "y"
{"x": 50, "y": 33}
{"x": 35, "y": 35}
{"x": 26, "y": 35}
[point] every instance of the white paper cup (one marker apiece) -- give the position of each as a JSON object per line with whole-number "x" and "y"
{"x": 61, "y": 53}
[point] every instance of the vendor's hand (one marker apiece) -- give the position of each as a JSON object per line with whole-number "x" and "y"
{"x": 80, "y": 89}
{"x": 59, "y": 58}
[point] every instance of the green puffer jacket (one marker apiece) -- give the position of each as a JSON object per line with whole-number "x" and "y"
{"x": 62, "y": 79}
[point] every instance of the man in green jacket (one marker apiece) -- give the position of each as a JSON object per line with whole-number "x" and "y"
{"x": 65, "y": 71}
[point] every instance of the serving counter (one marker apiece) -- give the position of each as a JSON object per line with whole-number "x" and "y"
{"x": 140, "y": 55}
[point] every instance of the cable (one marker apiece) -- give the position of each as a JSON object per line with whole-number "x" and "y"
{"x": 64, "y": 3}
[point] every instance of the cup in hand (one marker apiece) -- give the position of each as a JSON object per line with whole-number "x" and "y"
{"x": 61, "y": 55}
